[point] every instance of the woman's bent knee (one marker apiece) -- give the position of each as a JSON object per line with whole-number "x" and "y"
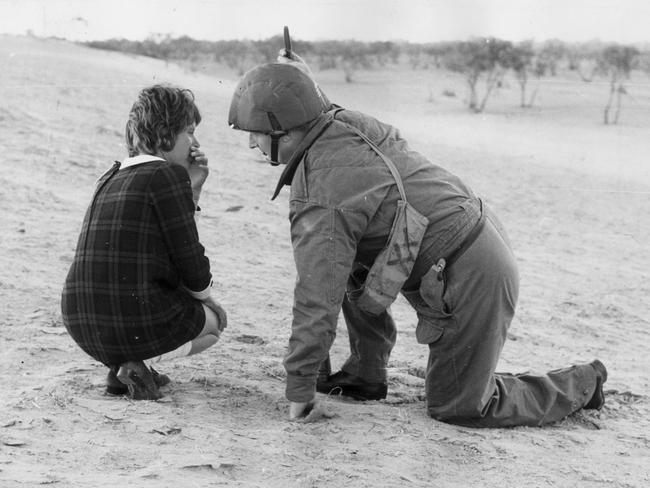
{"x": 200, "y": 344}
{"x": 212, "y": 325}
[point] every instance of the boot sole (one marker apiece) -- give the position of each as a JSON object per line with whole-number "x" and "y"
{"x": 353, "y": 393}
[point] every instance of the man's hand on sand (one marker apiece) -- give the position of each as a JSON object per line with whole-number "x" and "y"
{"x": 307, "y": 412}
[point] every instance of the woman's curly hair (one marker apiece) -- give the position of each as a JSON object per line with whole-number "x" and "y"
{"x": 157, "y": 116}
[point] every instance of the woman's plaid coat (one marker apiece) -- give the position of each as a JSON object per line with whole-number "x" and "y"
{"x": 125, "y": 297}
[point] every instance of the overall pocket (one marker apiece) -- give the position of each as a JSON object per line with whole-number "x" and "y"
{"x": 433, "y": 288}
{"x": 356, "y": 281}
{"x": 430, "y": 327}
{"x": 394, "y": 263}
{"x": 433, "y": 310}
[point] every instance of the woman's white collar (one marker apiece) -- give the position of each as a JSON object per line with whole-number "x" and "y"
{"x": 139, "y": 159}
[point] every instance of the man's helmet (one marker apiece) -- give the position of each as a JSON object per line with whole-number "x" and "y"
{"x": 275, "y": 98}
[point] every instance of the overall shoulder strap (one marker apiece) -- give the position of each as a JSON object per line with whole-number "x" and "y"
{"x": 386, "y": 159}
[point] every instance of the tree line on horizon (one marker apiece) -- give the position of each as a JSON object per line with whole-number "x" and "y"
{"x": 483, "y": 62}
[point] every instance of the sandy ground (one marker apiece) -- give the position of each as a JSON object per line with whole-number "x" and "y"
{"x": 574, "y": 194}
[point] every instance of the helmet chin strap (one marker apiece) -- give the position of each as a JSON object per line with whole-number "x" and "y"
{"x": 275, "y": 145}
{"x": 275, "y": 137}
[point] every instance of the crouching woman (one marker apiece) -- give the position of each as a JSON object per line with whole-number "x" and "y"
{"x": 139, "y": 285}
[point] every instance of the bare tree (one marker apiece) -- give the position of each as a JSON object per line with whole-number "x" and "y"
{"x": 550, "y": 55}
{"x": 617, "y": 62}
{"x": 584, "y": 59}
{"x": 486, "y": 58}
{"x": 520, "y": 59}
{"x": 349, "y": 56}
{"x": 240, "y": 56}
{"x": 644, "y": 62}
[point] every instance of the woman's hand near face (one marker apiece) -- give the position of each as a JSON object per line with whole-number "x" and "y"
{"x": 198, "y": 171}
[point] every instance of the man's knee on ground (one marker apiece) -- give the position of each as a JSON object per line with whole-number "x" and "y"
{"x": 454, "y": 410}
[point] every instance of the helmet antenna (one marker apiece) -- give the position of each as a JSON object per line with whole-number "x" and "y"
{"x": 287, "y": 43}
{"x": 275, "y": 135}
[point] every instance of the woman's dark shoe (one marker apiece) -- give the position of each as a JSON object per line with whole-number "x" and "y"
{"x": 342, "y": 383}
{"x": 159, "y": 378}
{"x": 113, "y": 385}
{"x": 598, "y": 399}
{"x": 139, "y": 380}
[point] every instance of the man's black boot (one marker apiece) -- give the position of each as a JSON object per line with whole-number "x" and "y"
{"x": 342, "y": 383}
{"x": 598, "y": 399}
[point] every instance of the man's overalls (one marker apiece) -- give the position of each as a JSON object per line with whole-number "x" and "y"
{"x": 465, "y": 302}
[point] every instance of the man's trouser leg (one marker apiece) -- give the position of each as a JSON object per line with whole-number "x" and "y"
{"x": 372, "y": 338}
{"x": 466, "y": 328}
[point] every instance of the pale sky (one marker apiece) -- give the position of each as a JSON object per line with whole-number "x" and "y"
{"x": 623, "y": 21}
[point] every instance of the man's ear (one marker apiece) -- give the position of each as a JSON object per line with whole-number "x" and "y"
{"x": 294, "y": 135}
